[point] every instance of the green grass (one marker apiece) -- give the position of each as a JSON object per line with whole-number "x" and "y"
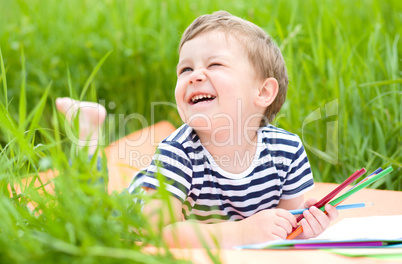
{"x": 347, "y": 52}
{"x": 78, "y": 222}
{"x": 344, "y": 100}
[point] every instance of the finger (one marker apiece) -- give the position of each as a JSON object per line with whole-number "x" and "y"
{"x": 322, "y": 219}
{"x": 285, "y": 224}
{"x": 280, "y": 232}
{"x": 307, "y": 230}
{"x": 287, "y": 215}
{"x": 309, "y": 202}
{"x": 282, "y": 227}
{"x": 332, "y": 212}
{"x": 311, "y": 217}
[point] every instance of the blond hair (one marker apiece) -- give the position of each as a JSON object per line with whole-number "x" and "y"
{"x": 262, "y": 52}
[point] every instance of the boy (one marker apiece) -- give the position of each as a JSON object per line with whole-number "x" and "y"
{"x": 232, "y": 176}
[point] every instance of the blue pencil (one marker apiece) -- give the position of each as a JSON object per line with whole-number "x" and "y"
{"x": 339, "y": 207}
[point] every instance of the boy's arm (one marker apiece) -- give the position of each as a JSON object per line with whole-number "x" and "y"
{"x": 170, "y": 211}
{"x": 261, "y": 227}
{"x": 290, "y": 204}
{"x": 264, "y": 226}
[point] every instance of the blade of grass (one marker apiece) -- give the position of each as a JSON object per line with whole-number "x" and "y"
{"x": 22, "y": 111}
{"x": 93, "y": 97}
{"x": 92, "y": 75}
{"x": 37, "y": 113}
{"x": 388, "y": 159}
{"x": 9, "y": 124}
{"x": 4, "y": 79}
{"x": 70, "y": 86}
{"x": 56, "y": 130}
{"x": 380, "y": 83}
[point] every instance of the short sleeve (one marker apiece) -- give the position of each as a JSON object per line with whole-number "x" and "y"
{"x": 170, "y": 166}
{"x": 299, "y": 178}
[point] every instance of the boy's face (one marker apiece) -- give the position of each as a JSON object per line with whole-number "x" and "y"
{"x": 216, "y": 84}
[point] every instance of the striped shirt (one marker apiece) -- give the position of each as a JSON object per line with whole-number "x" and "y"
{"x": 279, "y": 170}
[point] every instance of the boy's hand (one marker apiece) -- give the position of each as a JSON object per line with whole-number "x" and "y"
{"x": 267, "y": 225}
{"x": 316, "y": 221}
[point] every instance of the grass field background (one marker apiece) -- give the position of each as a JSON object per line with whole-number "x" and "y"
{"x": 344, "y": 100}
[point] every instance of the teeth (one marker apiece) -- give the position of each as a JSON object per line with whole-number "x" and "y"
{"x": 201, "y": 96}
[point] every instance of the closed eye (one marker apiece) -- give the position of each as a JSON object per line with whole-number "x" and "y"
{"x": 215, "y": 64}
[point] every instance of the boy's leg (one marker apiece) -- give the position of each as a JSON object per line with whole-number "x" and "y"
{"x": 91, "y": 118}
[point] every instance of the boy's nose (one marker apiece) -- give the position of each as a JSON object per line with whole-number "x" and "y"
{"x": 197, "y": 76}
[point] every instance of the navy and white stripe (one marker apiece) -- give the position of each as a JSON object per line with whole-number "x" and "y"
{"x": 279, "y": 170}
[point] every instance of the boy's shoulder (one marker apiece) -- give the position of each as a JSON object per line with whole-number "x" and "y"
{"x": 273, "y": 129}
{"x": 275, "y": 135}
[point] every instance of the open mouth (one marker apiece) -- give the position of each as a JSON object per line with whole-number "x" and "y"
{"x": 201, "y": 98}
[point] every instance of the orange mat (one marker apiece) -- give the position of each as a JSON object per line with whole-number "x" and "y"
{"x": 133, "y": 152}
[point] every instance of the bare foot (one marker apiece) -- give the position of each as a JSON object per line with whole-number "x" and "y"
{"x": 91, "y": 118}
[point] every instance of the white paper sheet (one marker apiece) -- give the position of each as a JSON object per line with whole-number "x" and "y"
{"x": 378, "y": 227}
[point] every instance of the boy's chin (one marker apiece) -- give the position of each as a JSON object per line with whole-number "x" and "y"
{"x": 200, "y": 124}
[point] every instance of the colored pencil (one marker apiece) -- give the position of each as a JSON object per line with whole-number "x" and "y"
{"x": 353, "y": 244}
{"x": 339, "y": 207}
{"x": 361, "y": 186}
{"x": 341, "y": 198}
{"x": 337, "y": 190}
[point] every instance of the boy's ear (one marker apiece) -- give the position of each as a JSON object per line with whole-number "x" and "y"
{"x": 267, "y": 92}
